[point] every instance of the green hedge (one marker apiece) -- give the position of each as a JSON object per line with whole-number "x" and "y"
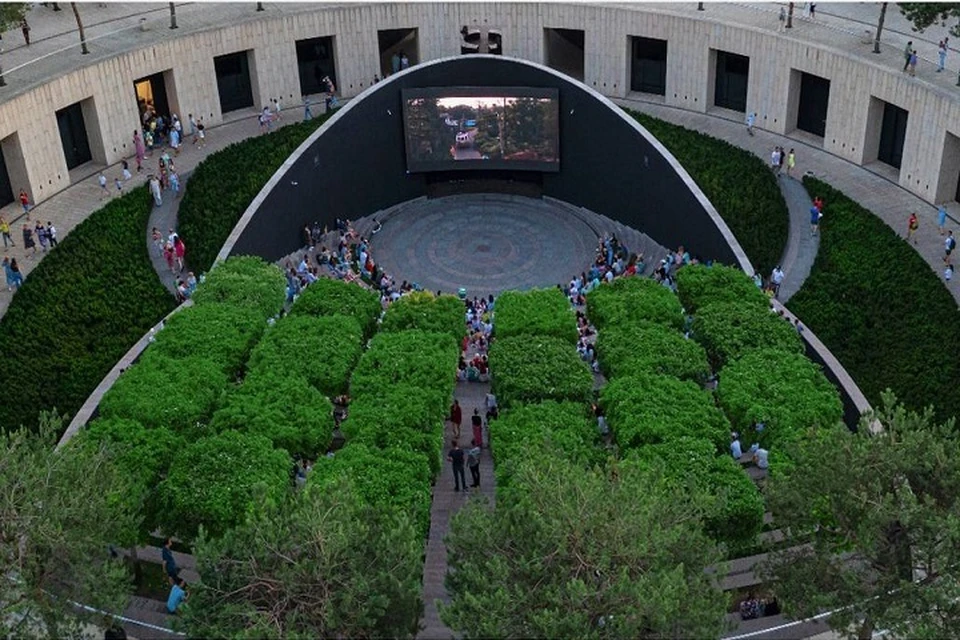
{"x": 245, "y": 281}
{"x": 323, "y": 351}
{"x": 282, "y": 407}
{"x": 734, "y": 507}
{"x": 213, "y": 482}
{"x": 876, "y": 304}
{"x": 536, "y": 368}
{"x": 424, "y": 311}
{"x": 395, "y": 479}
{"x": 728, "y": 330}
{"x": 538, "y": 312}
{"x": 327, "y": 297}
{"x": 650, "y": 348}
{"x": 631, "y": 300}
{"x": 647, "y": 409}
{"x": 162, "y": 392}
{"x": 565, "y": 428}
{"x": 400, "y": 417}
{"x": 427, "y": 361}
{"x": 221, "y": 333}
{"x": 699, "y": 285}
{"x": 786, "y": 391}
{"x": 223, "y": 185}
{"x": 738, "y": 183}
{"x": 78, "y": 312}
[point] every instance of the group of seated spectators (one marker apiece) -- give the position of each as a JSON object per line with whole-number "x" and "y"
{"x": 755, "y": 607}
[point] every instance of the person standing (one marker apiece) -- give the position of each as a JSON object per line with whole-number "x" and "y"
{"x": 913, "y": 223}
{"x": 102, "y": 181}
{"x": 941, "y": 218}
{"x": 140, "y": 150}
{"x": 307, "y": 114}
{"x": 28, "y": 242}
{"x": 25, "y": 202}
{"x": 775, "y": 161}
{"x": 169, "y": 562}
{"x": 157, "y": 238}
{"x": 815, "y": 216}
{"x": 404, "y": 61}
{"x": 813, "y": 10}
{"x": 125, "y": 170}
{"x": 942, "y": 55}
{"x": 51, "y": 234}
{"x": 155, "y": 190}
{"x": 41, "y": 232}
{"x": 25, "y": 30}
{"x": 456, "y": 460}
{"x": 791, "y": 162}
{"x": 913, "y": 63}
{"x": 175, "y": 183}
{"x": 5, "y": 232}
{"x": 736, "y": 450}
{"x": 202, "y": 133}
{"x": 949, "y": 244}
{"x": 782, "y": 19}
{"x": 473, "y": 461}
{"x": 180, "y": 252}
{"x": 8, "y": 272}
{"x": 456, "y": 417}
{"x": 193, "y": 127}
{"x": 395, "y": 63}
{"x": 907, "y": 52}
{"x": 476, "y": 422}
{"x": 776, "y": 279}
{"x": 751, "y": 120}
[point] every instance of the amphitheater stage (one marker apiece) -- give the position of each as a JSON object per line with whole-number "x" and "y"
{"x": 485, "y": 243}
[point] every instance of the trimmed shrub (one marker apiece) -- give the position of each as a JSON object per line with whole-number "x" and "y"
{"x": 565, "y": 428}
{"x": 78, "y": 312}
{"x": 213, "y": 482}
{"x": 535, "y": 368}
{"x": 645, "y": 347}
{"x": 221, "y": 333}
{"x": 424, "y": 311}
{"x": 728, "y": 330}
{"x": 401, "y": 417}
{"x": 876, "y": 304}
{"x": 223, "y": 185}
{"x": 427, "y": 361}
{"x": 737, "y": 182}
{"x": 647, "y": 409}
{"x": 162, "y": 392}
{"x": 733, "y": 507}
{"x": 321, "y": 350}
{"x": 327, "y": 297}
{"x": 786, "y": 391}
{"x": 631, "y": 300}
{"x": 699, "y": 285}
{"x": 538, "y": 312}
{"x": 244, "y": 281}
{"x": 283, "y": 408}
{"x": 392, "y": 479}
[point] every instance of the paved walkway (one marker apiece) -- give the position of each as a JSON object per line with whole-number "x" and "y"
{"x": 884, "y": 198}
{"x": 802, "y": 245}
{"x": 164, "y": 218}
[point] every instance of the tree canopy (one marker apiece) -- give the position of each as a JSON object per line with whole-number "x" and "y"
{"x": 925, "y": 14}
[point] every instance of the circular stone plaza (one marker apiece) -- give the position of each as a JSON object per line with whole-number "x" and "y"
{"x": 282, "y": 276}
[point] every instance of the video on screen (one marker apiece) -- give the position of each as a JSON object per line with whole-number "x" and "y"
{"x": 470, "y": 130}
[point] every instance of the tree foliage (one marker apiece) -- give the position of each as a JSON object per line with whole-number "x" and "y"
{"x": 578, "y": 553}
{"x": 785, "y": 391}
{"x": 212, "y": 483}
{"x": 322, "y": 565}
{"x": 424, "y": 311}
{"x": 644, "y": 409}
{"x": 882, "y": 511}
{"x": 699, "y": 285}
{"x": 538, "y": 312}
{"x": 926, "y": 14}
{"x": 880, "y": 310}
{"x": 728, "y": 330}
{"x": 631, "y": 300}
{"x": 321, "y": 350}
{"x": 327, "y": 297}
{"x": 650, "y": 348}
{"x": 56, "y": 523}
{"x": 535, "y": 368}
{"x": 245, "y": 281}
{"x": 11, "y": 13}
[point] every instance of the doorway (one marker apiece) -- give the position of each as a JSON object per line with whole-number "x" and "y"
{"x": 648, "y": 65}
{"x": 395, "y": 45}
{"x": 73, "y": 135}
{"x": 315, "y": 61}
{"x": 6, "y": 186}
{"x": 814, "y": 98}
{"x": 233, "y": 81}
{"x": 152, "y": 95}
{"x": 732, "y": 76}
{"x": 893, "y": 131}
{"x": 564, "y": 51}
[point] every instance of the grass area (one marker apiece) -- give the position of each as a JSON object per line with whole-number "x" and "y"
{"x": 877, "y": 305}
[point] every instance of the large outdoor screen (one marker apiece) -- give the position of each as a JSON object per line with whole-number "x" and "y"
{"x": 449, "y": 128}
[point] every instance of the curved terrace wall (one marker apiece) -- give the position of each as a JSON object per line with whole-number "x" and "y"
{"x": 931, "y": 157}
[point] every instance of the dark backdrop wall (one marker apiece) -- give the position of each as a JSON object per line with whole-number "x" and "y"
{"x": 357, "y": 166}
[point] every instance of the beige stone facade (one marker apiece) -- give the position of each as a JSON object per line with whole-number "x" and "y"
{"x": 859, "y": 85}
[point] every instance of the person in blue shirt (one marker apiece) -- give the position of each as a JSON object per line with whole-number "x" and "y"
{"x": 941, "y": 218}
{"x": 178, "y": 594}
{"x": 735, "y": 449}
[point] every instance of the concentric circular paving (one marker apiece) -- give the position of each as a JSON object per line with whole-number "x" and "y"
{"x": 485, "y": 243}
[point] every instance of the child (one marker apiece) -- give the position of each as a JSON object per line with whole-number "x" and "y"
{"x": 119, "y": 184}
{"x": 126, "y": 171}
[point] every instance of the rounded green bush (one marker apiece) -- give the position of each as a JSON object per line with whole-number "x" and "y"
{"x": 645, "y": 347}
{"x": 424, "y": 311}
{"x": 327, "y": 297}
{"x": 244, "y": 281}
{"x": 538, "y": 312}
{"x": 786, "y": 391}
{"x": 631, "y": 300}
{"x": 728, "y": 330}
{"x": 536, "y": 368}
{"x": 699, "y": 285}
{"x": 648, "y": 409}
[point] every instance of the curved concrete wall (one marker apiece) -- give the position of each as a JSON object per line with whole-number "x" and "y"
{"x": 354, "y": 165}
{"x": 931, "y": 156}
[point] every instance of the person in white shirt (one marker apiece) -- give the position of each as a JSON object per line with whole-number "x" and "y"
{"x": 736, "y": 450}
{"x": 776, "y": 278}
{"x": 760, "y": 458}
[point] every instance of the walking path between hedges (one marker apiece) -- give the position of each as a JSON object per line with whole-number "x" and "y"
{"x": 884, "y": 198}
